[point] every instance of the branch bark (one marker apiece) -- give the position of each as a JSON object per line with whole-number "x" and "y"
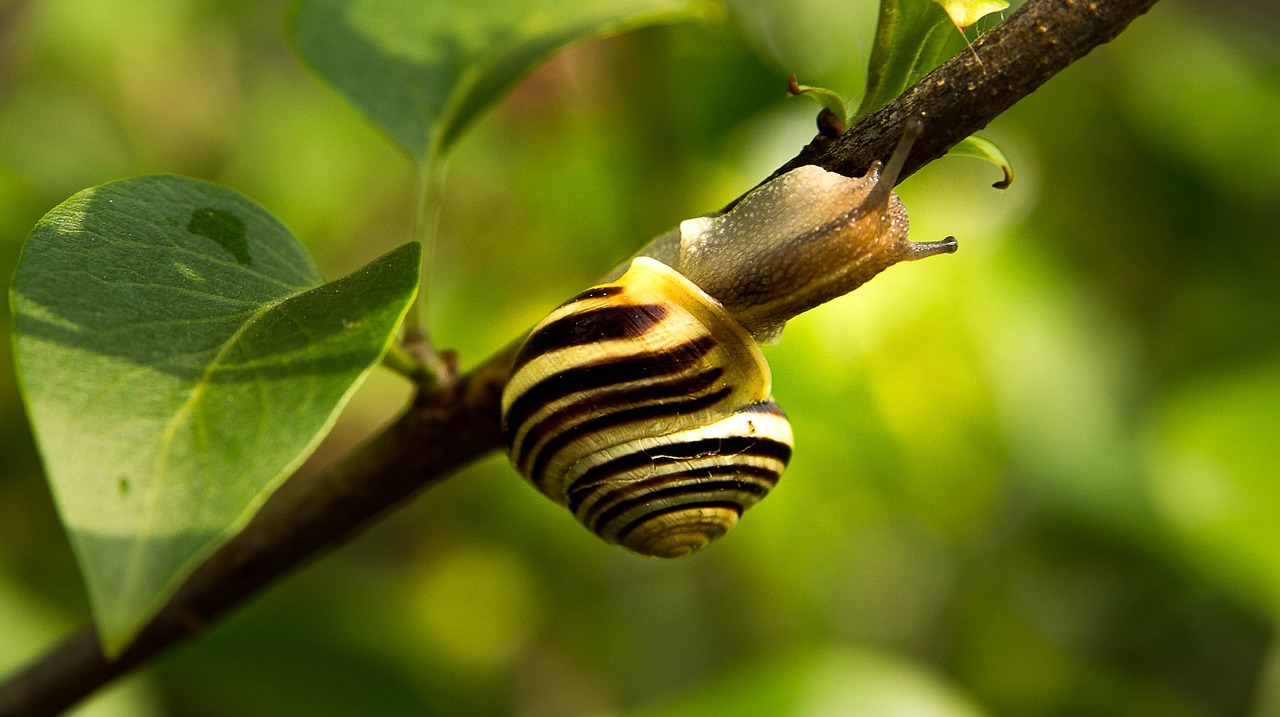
{"x": 440, "y": 433}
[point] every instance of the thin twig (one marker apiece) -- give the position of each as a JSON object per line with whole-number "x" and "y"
{"x": 444, "y": 431}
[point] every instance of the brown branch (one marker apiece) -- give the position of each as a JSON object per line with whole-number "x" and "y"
{"x": 439, "y": 434}
{"x": 963, "y": 95}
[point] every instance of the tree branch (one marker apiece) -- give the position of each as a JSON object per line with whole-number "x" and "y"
{"x": 971, "y": 89}
{"x": 440, "y": 433}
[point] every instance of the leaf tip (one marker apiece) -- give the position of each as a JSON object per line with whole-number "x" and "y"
{"x": 964, "y": 13}
{"x": 982, "y": 148}
{"x": 1008, "y": 178}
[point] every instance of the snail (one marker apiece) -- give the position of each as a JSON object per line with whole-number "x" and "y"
{"x": 643, "y": 404}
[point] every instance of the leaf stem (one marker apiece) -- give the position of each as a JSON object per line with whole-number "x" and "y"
{"x": 426, "y": 367}
{"x": 404, "y": 363}
{"x": 426, "y": 226}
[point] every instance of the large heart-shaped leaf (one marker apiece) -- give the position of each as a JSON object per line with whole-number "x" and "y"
{"x": 179, "y": 356}
{"x": 424, "y": 71}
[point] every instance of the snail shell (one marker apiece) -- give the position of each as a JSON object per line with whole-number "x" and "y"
{"x": 643, "y": 404}
{"x": 645, "y": 409}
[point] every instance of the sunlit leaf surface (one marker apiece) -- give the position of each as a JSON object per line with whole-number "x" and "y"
{"x": 964, "y": 13}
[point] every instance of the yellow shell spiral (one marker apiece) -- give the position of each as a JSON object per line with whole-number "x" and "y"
{"x": 644, "y": 408}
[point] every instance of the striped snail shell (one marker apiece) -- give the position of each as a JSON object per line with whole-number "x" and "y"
{"x": 644, "y": 405}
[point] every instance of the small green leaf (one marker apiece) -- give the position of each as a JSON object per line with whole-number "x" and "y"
{"x": 828, "y": 99}
{"x": 180, "y": 356}
{"x": 982, "y": 148}
{"x": 425, "y": 71}
{"x": 964, "y": 13}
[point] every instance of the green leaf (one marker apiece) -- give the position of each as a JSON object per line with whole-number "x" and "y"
{"x": 982, "y": 148}
{"x": 425, "y": 71}
{"x": 912, "y": 38}
{"x": 180, "y": 356}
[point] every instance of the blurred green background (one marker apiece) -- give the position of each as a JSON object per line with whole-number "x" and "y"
{"x": 1039, "y": 477}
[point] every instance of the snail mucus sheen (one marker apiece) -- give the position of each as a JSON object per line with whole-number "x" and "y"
{"x": 643, "y": 404}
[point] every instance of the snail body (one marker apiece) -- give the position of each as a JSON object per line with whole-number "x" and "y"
{"x": 644, "y": 405}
